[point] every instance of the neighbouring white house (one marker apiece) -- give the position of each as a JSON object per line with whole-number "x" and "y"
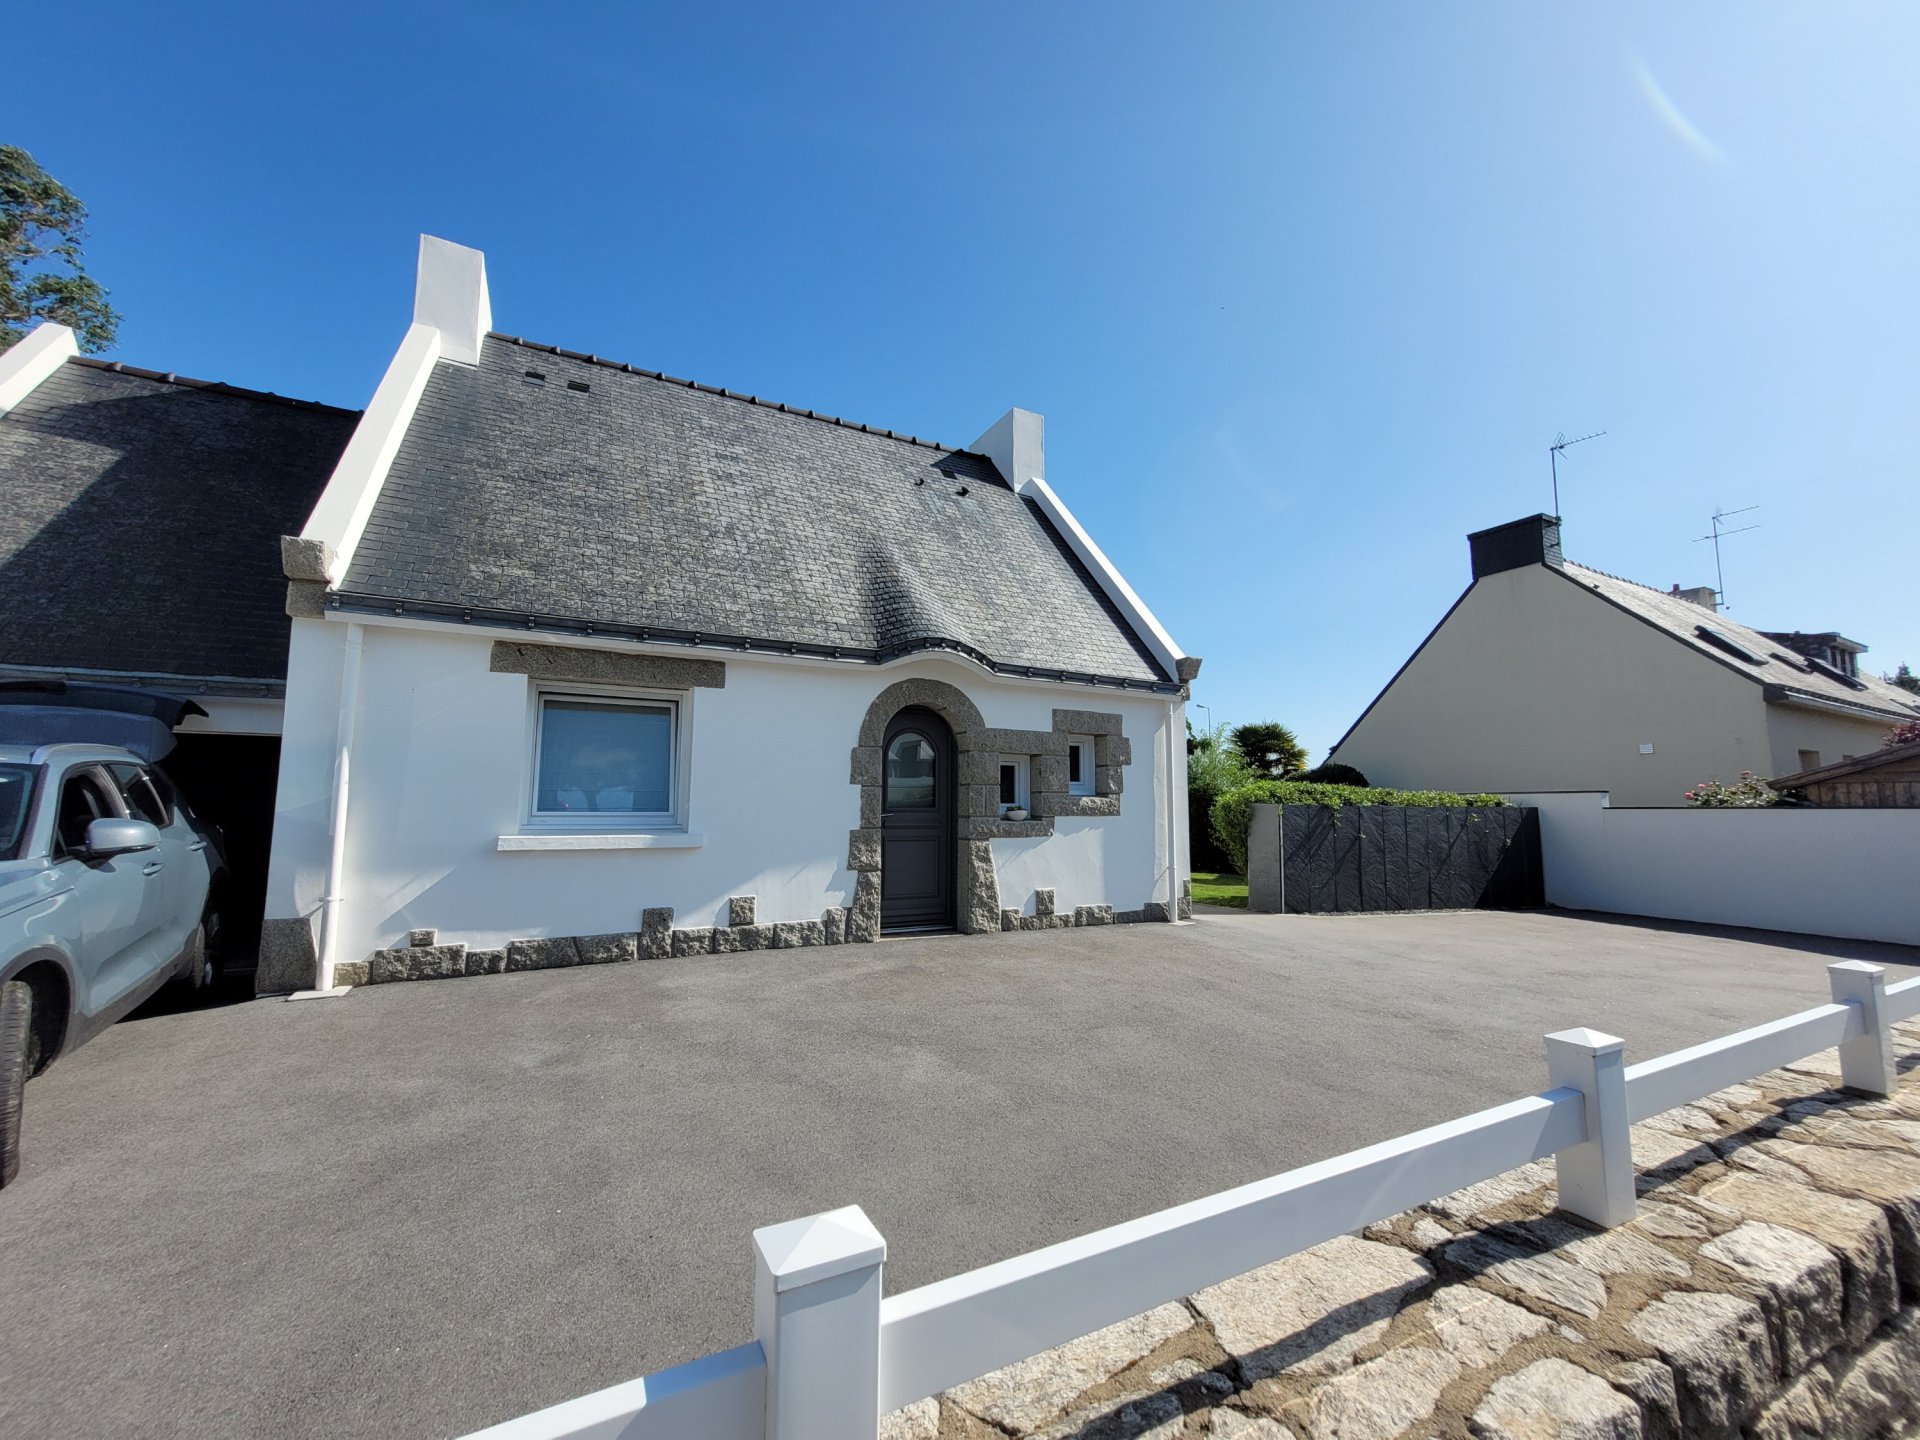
{"x": 1546, "y": 675}
{"x": 591, "y": 663}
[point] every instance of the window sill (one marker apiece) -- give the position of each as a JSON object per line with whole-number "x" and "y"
{"x": 628, "y": 840}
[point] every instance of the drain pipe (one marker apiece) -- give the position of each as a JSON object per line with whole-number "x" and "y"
{"x": 1175, "y": 737}
{"x": 331, "y": 898}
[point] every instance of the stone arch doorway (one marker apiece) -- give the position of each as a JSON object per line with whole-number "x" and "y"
{"x": 975, "y": 895}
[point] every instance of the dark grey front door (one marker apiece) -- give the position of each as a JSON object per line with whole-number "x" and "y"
{"x": 916, "y": 823}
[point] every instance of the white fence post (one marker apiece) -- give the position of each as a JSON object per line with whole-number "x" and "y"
{"x": 1596, "y": 1176}
{"x": 816, "y": 1314}
{"x": 1866, "y": 1061}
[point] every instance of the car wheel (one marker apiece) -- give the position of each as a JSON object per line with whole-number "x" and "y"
{"x": 16, "y": 1047}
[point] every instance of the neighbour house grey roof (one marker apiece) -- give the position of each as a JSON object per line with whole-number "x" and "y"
{"x": 555, "y": 489}
{"x": 1787, "y": 676}
{"x": 139, "y": 533}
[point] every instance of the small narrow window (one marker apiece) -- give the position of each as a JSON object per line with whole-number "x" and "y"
{"x": 1809, "y": 759}
{"x": 1014, "y": 772}
{"x": 1080, "y": 765}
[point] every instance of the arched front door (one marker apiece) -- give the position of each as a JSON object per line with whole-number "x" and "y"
{"x": 916, "y": 823}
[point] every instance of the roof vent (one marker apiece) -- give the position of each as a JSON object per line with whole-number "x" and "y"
{"x": 536, "y": 377}
{"x": 1720, "y": 640}
{"x": 1833, "y": 672}
{"x": 582, "y": 386}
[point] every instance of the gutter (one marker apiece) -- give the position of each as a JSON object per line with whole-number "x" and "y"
{"x": 1786, "y": 695}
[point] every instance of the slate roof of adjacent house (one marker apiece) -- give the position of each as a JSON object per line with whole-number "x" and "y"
{"x": 141, "y": 524}
{"x": 551, "y": 487}
{"x": 1774, "y": 664}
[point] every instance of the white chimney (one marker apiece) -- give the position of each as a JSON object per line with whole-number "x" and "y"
{"x": 450, "y": 294}
{"x": 1017, "y": 444}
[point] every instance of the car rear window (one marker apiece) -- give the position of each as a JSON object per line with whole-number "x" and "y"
{"x": 16, "y": 803}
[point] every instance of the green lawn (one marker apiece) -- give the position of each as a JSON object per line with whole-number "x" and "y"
{"x": 1217, "y": 889}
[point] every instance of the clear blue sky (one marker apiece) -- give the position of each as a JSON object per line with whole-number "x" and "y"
{"x": 1304, "y": 293}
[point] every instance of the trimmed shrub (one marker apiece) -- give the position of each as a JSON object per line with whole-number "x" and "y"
{"x": 1333, "y": 773}
{"x": 1233, "y": 811}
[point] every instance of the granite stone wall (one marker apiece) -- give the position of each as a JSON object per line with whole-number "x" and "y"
{"x": 424, "y": 958}
{"x": 1769, "y": 1289}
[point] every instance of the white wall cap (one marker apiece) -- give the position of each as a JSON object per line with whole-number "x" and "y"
{"x": 45, "y": 349}
{"x": 1596, "y": 1041}
{"x": 1017, "y": 444}
{"x": 450, "y": 294}
{"x": 340, "y": 515}
{"x": 799, "y": 1252}
{"x": 1111, "y": 580}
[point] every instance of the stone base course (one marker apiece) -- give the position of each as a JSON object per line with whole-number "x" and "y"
{"x": 656, "y": 939}
{"x": 421, "y": 958}
{"x": 1769, "y": 1290}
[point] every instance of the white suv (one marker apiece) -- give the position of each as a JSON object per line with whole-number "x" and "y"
{"x": 105, "y": 884}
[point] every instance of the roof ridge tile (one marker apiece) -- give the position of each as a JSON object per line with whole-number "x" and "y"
{"x": 720, "y": 390}
{"x": 218, "y": 387}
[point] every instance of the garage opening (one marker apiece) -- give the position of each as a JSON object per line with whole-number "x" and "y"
{"x": 230, "y": 780}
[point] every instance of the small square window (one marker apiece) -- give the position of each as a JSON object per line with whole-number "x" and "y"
{"x": 606, "y": 761}
{"x": 1014, "y": 783}
{"x": 1080, "y": 765}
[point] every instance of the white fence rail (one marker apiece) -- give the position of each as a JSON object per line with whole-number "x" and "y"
{"x": 830, "y": 1356}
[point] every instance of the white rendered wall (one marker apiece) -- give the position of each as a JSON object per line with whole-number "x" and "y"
{"x": 297, "y": 867}
{"x": 1848, "y": 873}
{"x": 1793, "y": 728}
{"x": 233, "y": 715}
{"x": 440, "y": 772}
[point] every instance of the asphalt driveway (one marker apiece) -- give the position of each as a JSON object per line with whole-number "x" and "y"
{"x": 430, "y": 1207}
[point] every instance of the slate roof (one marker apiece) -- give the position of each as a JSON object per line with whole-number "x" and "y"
{"x": 140, "y": 521}
{"x": 1778, "y": 668}
{"x": 584, "y": 495}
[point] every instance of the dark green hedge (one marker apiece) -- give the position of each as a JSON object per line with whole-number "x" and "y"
{"x": 1233, "y": 811}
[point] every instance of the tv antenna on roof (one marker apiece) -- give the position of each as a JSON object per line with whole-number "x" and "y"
{"x": 1716, "y": 535}
{"x": 1560, "y": 443}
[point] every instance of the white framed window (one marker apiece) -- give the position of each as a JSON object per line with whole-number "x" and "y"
{"x": 1080, "y": 765}
{"x": 1015, "y": 783}
{"x": 608, "y": 761}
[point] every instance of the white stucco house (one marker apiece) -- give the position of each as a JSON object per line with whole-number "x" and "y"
{"x": 589, "y": 663}
{"x": 1546, "y": 675}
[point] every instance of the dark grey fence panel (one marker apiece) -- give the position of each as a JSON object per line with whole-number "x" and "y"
{"x": 1397, "y": 857}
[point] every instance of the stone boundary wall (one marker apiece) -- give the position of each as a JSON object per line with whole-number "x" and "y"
{"x": 1769, "y": 1289}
